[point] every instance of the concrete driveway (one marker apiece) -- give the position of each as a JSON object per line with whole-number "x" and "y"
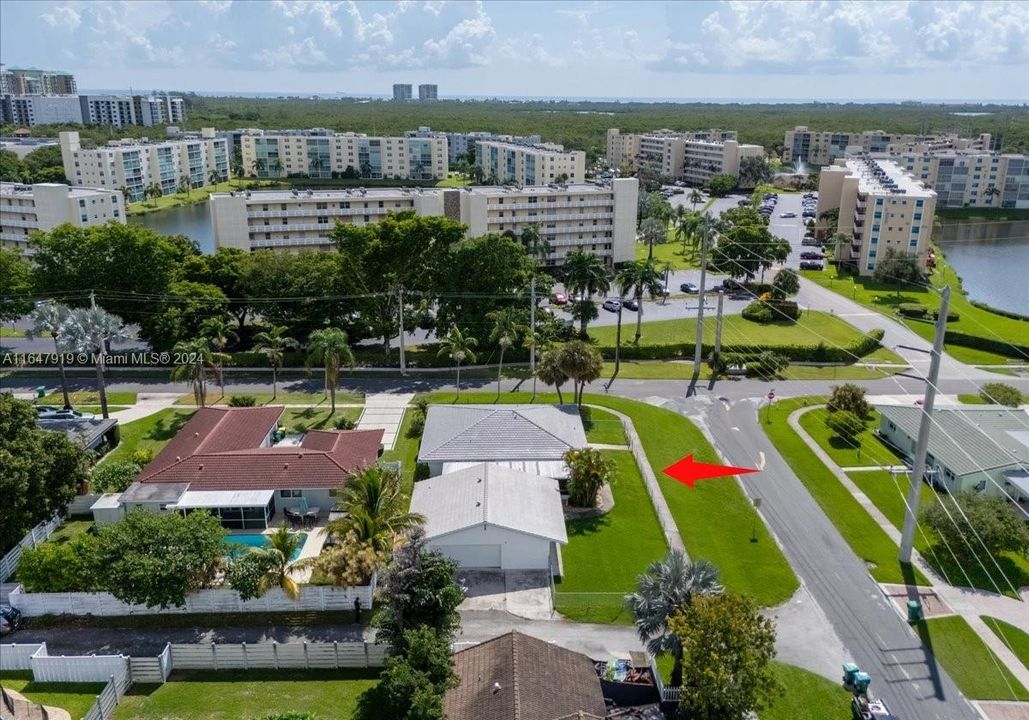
{"x": 525, "y": 593}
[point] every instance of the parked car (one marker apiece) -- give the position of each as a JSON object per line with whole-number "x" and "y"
{"x": 10, "y": 619}
{"x": 48, "y": 412}
{"x": 689, "y": 288}
{"x": 630, "y": 304}
{"x": 559, "y": 299}
{"x": 810, "y": 241}
{"x": 44, "y": 410}
{"x": 811, "y": 265}
{"x": 811, "y": 255}
{"x": 612, "y": 304}
{"x": 788, "y": 215}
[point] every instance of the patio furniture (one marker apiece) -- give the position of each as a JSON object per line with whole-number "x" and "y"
{"x": 295, "y": 518}
{"x": 311, "y": 516}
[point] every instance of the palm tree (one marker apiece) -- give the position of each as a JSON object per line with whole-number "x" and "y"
{"x": 282, "y": 545}
{"x": 214, "y": 177}
{"x": 257, "y": 167}
{"x": 275, "y": 167}
{"x": 330, "y": 348}
{"x": 219, "y": 333}
{"x": 273, "y": 344}
{"x": 549, "y": 371}
{"x": 124, "y": 194}
{"x": 505, "y": 333}
{"x": 92, "y": 330}
{"x": 666, "y": 588}
{"x": 194, "y": 357}
{"x": 185, "y": 184}
{"x": 238, "y": 170}
{"x": 581, "y": 363}
{"x": 638, "y": 278}
{"x": 47, "y": 319}
{"x": 585, "y": 276}
{"x": 458, "y": 347}
{"x": 991, "y": 191}
{"x": 695, "y": 197}
{"x": 153, "y": 191}
{"x": 688, "y": 228}
{"x": 376, "y": 509}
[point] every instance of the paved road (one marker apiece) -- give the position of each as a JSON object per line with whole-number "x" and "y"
{"x": 903, "y": 671}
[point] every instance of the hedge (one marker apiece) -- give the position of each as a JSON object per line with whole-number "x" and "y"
{"x": 1000, "y": 347}
{"x": 997, "y": 311}
{"x": 912, "y": 310}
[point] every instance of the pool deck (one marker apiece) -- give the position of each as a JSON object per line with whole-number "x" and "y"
{"x": 316, "y": 537}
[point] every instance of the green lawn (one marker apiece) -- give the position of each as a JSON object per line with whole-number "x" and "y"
{"x": 715, "y": 518}
{"x": 316, "y": 418}
{"x": 602, "y": 427}
{"x": 670, "y": 252}
{"x": 969, "y": 399}
{"x": 868, "y": 450}
{"x": 885, "y": 298}
{"x": 203, "y": 695}
{"x": 97, "y": 410}
{"x": 76, "y": 698}
{"x": 971, "y": 665}
{"x": 857, "y": 527}
{"x": 198, "y": 195}
{"x": 70, "y": 530}
{"x": 152, "y": 432}
{"x": 8, "y": 332}
{"x": 737, "y": 334}
{"x": 405, "y": 451}
{"x": 1017, "y": 640}
{"x": 806, "y": 695}
{"x": 89, "y": 397}
{"x": 315, "y": 397}
{"x": 605, "y": 554}
{"x": 680, "y": 370}
{"x": 837, "y": 372}
{"x": 454, "y": 179}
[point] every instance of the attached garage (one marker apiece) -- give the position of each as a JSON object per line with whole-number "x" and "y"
{"x": 488, "y": 516}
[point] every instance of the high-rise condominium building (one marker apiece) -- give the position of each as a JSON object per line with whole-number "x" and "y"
{"x": 324, "y": 153}
{"x": 881, "y": 207}
{"x": 458, "y": 144}
{"x": 26, "y": 208}
{"x": 693, "y": 156}
{"x": 529, "y": 164}
{"x": 822, "y": 148}
{"x": 33, "y": 81}
{"x": 402, "y": 91}
{"x": 137, "y": 164}
{"x": 31, "y": 110}
{"x": 116, "y": 110}
{"x": 428, "y": 92}
{"x": 599, "y": 218}
{"x": 971, "y": 178}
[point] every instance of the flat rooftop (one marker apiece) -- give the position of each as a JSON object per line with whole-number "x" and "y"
{"x": 539, "y": 148}
{"x": 880, "y": 176}
{"x": 75, "y": 191}
{"x": 381, "y": 193}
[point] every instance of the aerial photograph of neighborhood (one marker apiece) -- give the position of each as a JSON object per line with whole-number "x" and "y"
{"x": 514, "y": 360}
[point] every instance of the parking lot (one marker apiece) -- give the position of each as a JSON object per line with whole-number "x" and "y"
{"x": 790, "y": 229}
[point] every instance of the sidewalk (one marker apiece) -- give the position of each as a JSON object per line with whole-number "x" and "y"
{"x": 385, "y": 411}
{"x": 969, "y": 603}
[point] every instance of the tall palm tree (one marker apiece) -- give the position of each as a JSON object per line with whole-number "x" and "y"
{"x": 585, "y": 276}
{"x": 238, "y": 170}
{"x": 214, "y": 177}
{"x": 275, "y": 167}
{"x": 376, "y": 508}
{"x": 273, "y": 344}
{"x": 92, "y": 330}
{"x": 505, "y": 333}
{"x": 637, "y": 279}
{"x": 219, "y": 333}
{"x": 282, "y": 544}
{"x": 194, "y": 358}
{"x": 458, "y": 347}
{"x": 329, "y": 347}
{"x": 257, "y": 167}
{"x": 666, "y": 588}
{"x": 185, "y": 183}
{"x": 47, "y": 319}
{"x": 549, "y": 371}
{"x": 688, "y": 229}
{"x": 581, "y": 363}
{"x": 695, "y": 198}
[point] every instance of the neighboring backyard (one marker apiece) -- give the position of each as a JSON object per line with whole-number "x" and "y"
{"x": 76, "y": 698}
{"x": 602, "y": 427}
{"x": 152, "y": 432}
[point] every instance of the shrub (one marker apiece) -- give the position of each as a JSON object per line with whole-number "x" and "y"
{"x": 914, "y": 310}
{"x": 786, "y": 282}
{"x": 849, "y": 397}
{"x": 113, "y": 476}
{"x": 995, "y": 521}
{"x": 845, "y": 425}
{"x": 416, "y": 427}
{"x": 421, "y": 471}
{"x": 1001, "y": 394}
{"x": 768, "y": 364}
{"x": 952, "y": 316}
{"x": 758, "y": 312}
{"x": 588, "y": 471}
{"x": 344, "y": 423}
{"x": 142, "y": 456}
{"x": 54, "y": 567}
{"x": 784, "y": 309}
{"x": 242, "y": 401}
{"x": 977, "y": 342}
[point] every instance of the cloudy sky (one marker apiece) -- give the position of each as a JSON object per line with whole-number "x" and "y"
{"x": 824, "y": 50}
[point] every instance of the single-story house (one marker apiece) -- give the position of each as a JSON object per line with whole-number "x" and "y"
{"x": 490, "y": 516}
{"x": 982, "y": 448}
{"x": 239, "y": 466}
{"x": 519, "y": 677}
{"x": 526, "y": 437}
{"x": 88, "y": 432}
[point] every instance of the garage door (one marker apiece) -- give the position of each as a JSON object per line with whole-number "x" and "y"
{"x": 474, "y": 556}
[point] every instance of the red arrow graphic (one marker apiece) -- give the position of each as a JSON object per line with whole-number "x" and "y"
{"x": 688, "y": 471}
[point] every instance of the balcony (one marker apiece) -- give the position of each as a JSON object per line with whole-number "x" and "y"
{"x": 859, "y": 222}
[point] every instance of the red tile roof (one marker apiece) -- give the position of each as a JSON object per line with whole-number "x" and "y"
{"x": 220, "y": 449}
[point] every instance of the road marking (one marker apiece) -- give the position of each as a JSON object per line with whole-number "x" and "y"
{"x": 761, "y": 460}
{"x": 734, "y": 429}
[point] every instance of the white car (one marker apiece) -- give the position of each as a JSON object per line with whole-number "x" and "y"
{"x": 49, "y": 412}
{"x": 612, "y": 304}
{"x": 788, "y": 215}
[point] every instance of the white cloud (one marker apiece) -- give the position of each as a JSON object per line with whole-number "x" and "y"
{"x": 305, "y": 53}
{"x": 216, "y": 6}
{"x": 63, "y": 16}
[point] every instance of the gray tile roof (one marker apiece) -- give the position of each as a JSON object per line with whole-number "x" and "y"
{"x": 139, "y": 492}
{"x": 969, "y": 438}
{"x": 500, "y": 432}
{"x": 492, "y": 494}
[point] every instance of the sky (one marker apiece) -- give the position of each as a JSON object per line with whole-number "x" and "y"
{"x": 752, "y": 50}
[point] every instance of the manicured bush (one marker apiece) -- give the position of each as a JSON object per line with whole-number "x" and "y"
{"x": 952, "y": 316}
{"x": 998, "y": 311}
{"x": 784, "y": 309}
{"x": 113, "y": 476}
{"x": 142, "y": 456}
{"x": 344, "y": 423}
{"x": 867, "y": 343}
{"x": 767, "y": 364}
{"x": 417, "y": 426}
{"x": 912, "y": 310}
{"x": 1001, "y": 394}
{"x": 977, "y": 342}
{"x": 850, "y": 398}
{"x": 758, "y": 312}
{"x": 421, "y": 471}
{"x": 242, "y": 401}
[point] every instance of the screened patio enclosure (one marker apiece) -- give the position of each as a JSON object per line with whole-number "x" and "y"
{"x": 237, "y": 509}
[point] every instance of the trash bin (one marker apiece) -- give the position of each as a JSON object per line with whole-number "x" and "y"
{"x": 41, "y": 392}
{"x": 914, "y": 611}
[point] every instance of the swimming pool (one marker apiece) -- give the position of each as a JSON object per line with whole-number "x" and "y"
{"x": 259, "y": 540}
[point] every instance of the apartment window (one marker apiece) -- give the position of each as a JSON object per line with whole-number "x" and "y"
{"x": 870, "y": 266}
{"x": 344, "y": 206}
{"x": 381, "y": 204}
{"x": 913, "y": 242}
{"x": 875, "y": 227}
{"x": 82, "y": 203}
{"x": 878, "y": 215}
{"x": 85, "y": 218}
{"x": 878, "y": 201}
{"x": 915, "y": 230}
{"x": 875, "y": 241}
{"x": 367, "y": 218}
{"x": 919, "y": 203}
{"x": 871, "y": 253}
{"x": 267, "y": 236}
{"x": 916, "y": 216}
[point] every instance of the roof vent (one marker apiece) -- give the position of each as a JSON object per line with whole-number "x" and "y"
{"x": 201, "y": 467}
{"x": 178, "y": 458}
{"x": 496, "y": 688}
{"x": 196, "y": 434}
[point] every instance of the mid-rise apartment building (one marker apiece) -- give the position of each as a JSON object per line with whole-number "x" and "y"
{"x": 133, "y": 165}
{"x": 32, "y": 110}
{"x": 402, "y": 91}
{"x": 324, "y": 154}
{"x": 825, "y": 147}
{"x": 458, "y": 144}
{"x": 428, "y": 92}
{"x": 880, "y": 207}
{"x": 970, "y": 178}
{"x": 525, "y": 164}
{"x": 599, "y": 218}
{"x": 33, "y": 81}
{"x": 703, "y": 159}
{"x": 27, "y": 208}
{"x": 115, "y": 110}
{"x": 661, "y": 151}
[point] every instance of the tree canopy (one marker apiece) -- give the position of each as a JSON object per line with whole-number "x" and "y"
{"x": 745, "y": 246}
{"x": 16, "y": 288}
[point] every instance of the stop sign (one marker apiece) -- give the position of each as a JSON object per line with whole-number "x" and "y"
{"x": 771, "y": 395}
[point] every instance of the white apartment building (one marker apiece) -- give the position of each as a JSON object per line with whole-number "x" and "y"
{"x": 136, "y": 164}
{"x": 881, "y": 206}
{"x": 324, "y": 154}
{"x": 122, "y": 110}
{"x": 31, "y": 110}
{"x": 402, "y": 91}
{"x": 825, "y": 147}
{"x": 458, "y": 144}
{"x": 971, "y": 178}
{"x": 27, "y": 208}
{"x": 33, "y": 81}
{"x": 428, "y": 92}
{"x": 703, "y": 159}
{"x": 524, "y": 164}
{"x": 662, "y": 151}
{"x": 599, "y": 218}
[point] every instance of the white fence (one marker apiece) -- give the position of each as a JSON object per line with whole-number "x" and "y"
{"x": 277, "y": 656}
{"x": 15, "y": 656}
{"x": 81, "y": 504}
{"x": 312, "y": 598}
{"x": 38, "y": 534}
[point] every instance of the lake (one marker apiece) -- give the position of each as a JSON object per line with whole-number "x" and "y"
{"x": 193, "y": 221}
{"x": 992, "y": 258}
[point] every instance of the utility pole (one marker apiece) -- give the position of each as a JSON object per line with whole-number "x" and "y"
{"x": 532, "y": 332}
{"x": 922, "y": 444}
{"x": 400, "y": 312}
{"x": 718, "y": 325}
{"x": 698, "y": 351}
